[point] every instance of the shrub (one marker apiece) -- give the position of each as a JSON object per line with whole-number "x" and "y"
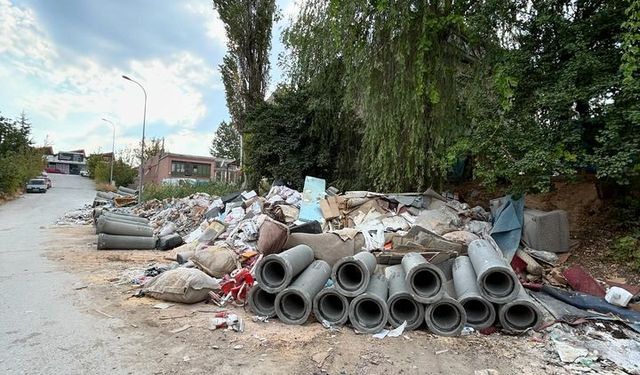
{"x": 627, "y": 249}
{"x": 160, "y": 192}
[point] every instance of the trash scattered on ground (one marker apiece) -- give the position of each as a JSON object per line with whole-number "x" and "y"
{"x": 457, "y": 269}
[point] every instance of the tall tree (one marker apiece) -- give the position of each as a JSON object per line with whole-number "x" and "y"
{"x": 226, "y": 142}
{"x": 245, "y": 68}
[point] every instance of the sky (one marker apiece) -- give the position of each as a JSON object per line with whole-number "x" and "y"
{"x": 62, "y": 63}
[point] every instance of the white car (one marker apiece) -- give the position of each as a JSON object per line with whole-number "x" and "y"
{"x": 84, "y": 173}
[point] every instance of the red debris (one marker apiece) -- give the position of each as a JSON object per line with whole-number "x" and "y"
{"x": 581, "y": 281}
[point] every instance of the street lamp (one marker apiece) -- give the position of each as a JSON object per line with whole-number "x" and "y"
{"x": 144, "y": 119}
{"x": 113, "y": 148}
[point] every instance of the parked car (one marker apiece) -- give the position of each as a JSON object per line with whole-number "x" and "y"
{"x": 84, "y": 173}
{"x": 53, "y": 170}
{"x": 47, "y": 179}
{"x": 37, "y": 185}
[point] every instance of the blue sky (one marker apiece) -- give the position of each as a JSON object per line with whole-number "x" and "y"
{"x": 61, "y": 61}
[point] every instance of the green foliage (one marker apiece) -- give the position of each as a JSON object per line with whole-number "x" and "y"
{"x": 226, "y": 142}
{"x": 627, "y": 249}
{"x": 100, "y": 170}
{"x": 160, "y": 192}
{"x": 19, "y": 161}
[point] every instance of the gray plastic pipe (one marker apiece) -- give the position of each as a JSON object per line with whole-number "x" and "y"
{"x": 351, "y": 274}
{"x": 402, "y": 306}
{"x": 496, "y": 280}
{"x": 113, "y": 242}
{"x": 276, "y": 271}
{"x": 262, "y": 303}
{"x": 105, "y": 195}
{"x": 480, "y": 313}
{"x": 446, "y": 317}
{"x": 294, "y": 304}
{"x": 423, "y": 279}
{"x": 520, "y": 314}
{"x": 331, "y": 306}
{"x": 127, "y": 190}
{"x": 129, "y": 217}
{"x": 368, "y": 312}
{"x": 124, "y": 229}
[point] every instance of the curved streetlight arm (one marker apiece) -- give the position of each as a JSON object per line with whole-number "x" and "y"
{"x": 144, "y": 120}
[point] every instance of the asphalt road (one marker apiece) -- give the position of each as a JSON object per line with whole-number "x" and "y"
{"x": 44, "y": 329}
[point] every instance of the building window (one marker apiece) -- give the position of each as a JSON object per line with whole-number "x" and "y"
{"x": 177, "y": 167}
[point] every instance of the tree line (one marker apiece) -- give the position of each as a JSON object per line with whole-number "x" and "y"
{"x": 400, "y": 96}
{"x": 19, "y": 160}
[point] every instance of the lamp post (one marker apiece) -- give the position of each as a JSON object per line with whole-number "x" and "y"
{"x": 144, "y": 119}
{"x": 113, "y": 148}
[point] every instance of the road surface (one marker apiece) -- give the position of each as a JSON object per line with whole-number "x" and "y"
{"x": 44, "y": 329}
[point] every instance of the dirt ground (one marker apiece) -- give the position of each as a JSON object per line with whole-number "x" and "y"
{"x": 270, "y": 347}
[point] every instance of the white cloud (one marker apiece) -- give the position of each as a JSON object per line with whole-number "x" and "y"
{"x": 62, "y": 89}
{"x": 213, "y": 24}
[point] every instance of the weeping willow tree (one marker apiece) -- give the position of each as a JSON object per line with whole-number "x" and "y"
{"x": 404, "y": 64}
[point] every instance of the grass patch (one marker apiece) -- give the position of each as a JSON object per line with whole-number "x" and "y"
{"x": 161, "y": 192}
{"x": 627, "y": 249}
{"x": 103, "y": 186}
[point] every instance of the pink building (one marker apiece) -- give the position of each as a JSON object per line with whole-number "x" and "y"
{"x": 167, "y": 166}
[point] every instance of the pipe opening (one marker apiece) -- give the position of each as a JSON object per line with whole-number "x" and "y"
{"x": 293, "y": 306}
{"x": 520, "y": 316}
{"x": 369, "y": 313}
{"x": 498, "y": 283}
{"x": 425, "y": 283}
{"x": 404, "y": 309}
{"x": 331, "y": 307}
{"x": 264, "y": 301}
{"x": 445, "y": 317}
{"x": 273, "y": 273}
{"x": 477, "y": 311}
{"x": 349, "y": 276}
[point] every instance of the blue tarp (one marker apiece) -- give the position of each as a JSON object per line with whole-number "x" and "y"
{"x": 507, "y": 225}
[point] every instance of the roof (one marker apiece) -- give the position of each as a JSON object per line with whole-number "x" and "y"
{"x": 193, "y": 157}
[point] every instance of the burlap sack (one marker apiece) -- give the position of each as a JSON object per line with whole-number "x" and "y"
{"x": 185, "y": 285}
{"x": 216, "y": 261}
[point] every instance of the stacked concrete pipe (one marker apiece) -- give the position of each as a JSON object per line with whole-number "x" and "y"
{"x": 369, "y": 312}
{"x": 123, "y": 216}
{"x": 294, "y": 304}
{"x": 519, "y": 314}
{"x": 496, "y": 280}
{"x": 261, "y": 302}
{"x": 115, "y": 242}
{"x": 351, "y": 274}
{"x": 424, "y": 280}
{"x": 331, "y": 306}
{"x": 402, "y": 306}
{"x": 480, "y": 313}
{"x": 276, "y": 271}
{"x": 446, "y": 316}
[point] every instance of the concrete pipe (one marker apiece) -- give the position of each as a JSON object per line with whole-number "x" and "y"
{"x": 102, "y": 219}
{"x": 127, "y": 190}
{"x": 262, "y": 303}
{"x": 124, "y": 229}
{"x": 495, "y": 278}
{"x": 402, "y": 306}
{"x": 520, "y": 314}
{"x": 368, "y": 312}
{"x": 276, "y": 271}
{"x": 114, "y": 242}
{"x": 446, "y": 317}
{"x": 423, "y": 279}
{"x": 480, "y": 313}
{"x": 331, "y": 306}
{"x": 351, "y": 274}
{"x": 294, "y": 304}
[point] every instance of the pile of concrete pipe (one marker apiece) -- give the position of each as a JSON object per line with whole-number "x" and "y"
{"x": 123, "y": 231}
{"x": 106, "y": 197}
{"x": 474, "y": 290}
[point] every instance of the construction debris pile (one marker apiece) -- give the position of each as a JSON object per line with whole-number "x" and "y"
{"x": 122, "y": 197}
{"x": 368, "y": 259}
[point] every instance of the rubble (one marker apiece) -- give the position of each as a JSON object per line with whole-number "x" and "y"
{"x": 290, "y": 241}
